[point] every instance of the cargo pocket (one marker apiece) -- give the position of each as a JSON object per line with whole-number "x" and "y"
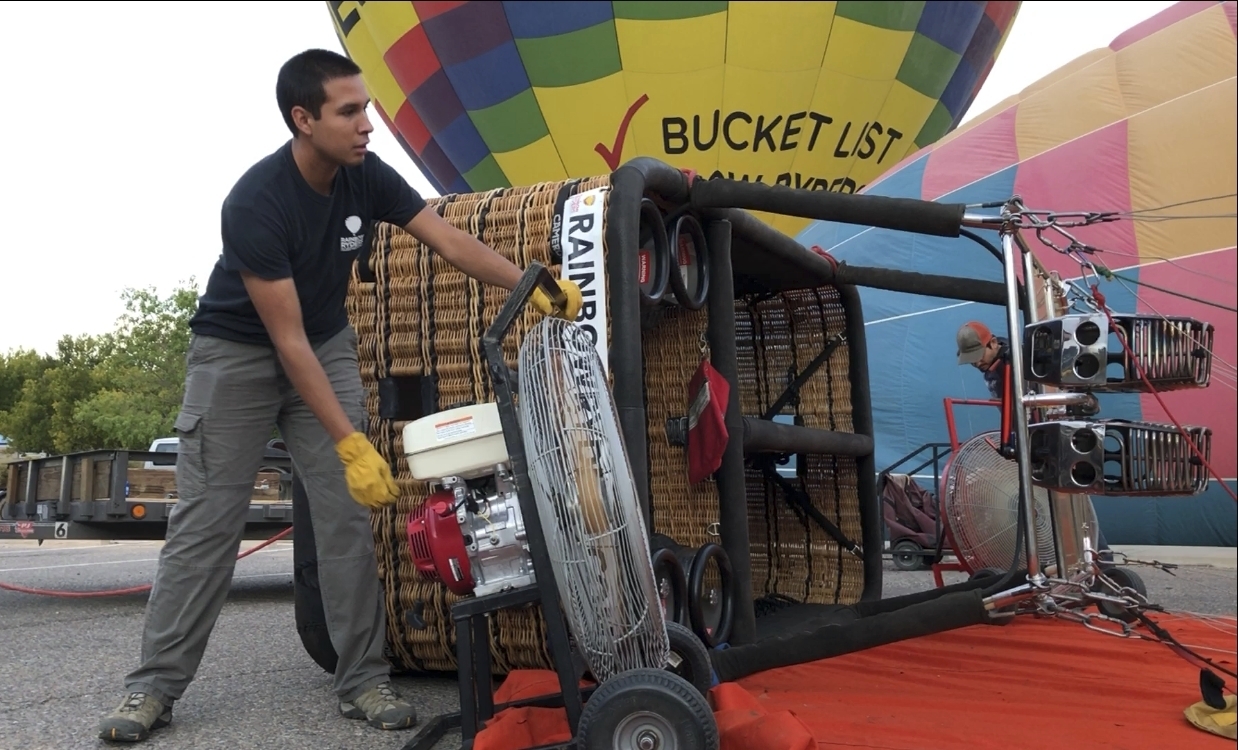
{"x": 190, "y": 466}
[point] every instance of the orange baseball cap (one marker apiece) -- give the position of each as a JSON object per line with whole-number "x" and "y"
{"x": 972, "y": 338}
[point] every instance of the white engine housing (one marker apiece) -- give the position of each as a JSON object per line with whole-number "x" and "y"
{"x": 464, "y": 442}
{"x": 463, "y": 452}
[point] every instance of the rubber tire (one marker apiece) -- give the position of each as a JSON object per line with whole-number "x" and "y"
{"x": 653, "y": 222}
{"x": 656, "y": 691}
{"x": 694, "y": 562}
{"x": 665, "y": 557}
{"x": 311, "y": 619}
{"x": 907, "y": 555}
{"x": 690, "y": 225}
{"x": 694, "y": 665}
{"x": 1125, "y": 578}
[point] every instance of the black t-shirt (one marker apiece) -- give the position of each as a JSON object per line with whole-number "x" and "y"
{"x": 275, "y": 225}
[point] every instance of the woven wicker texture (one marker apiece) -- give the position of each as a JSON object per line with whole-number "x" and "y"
{"x": 775, "y": 340}
{"x": 419, "y": 317}
{"x": 416, "y": 315}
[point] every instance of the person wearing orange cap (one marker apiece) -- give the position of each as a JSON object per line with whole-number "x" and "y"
{"x": 977, "y": 346}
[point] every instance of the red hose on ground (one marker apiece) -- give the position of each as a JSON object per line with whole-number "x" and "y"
{"x": 131, "y": 589}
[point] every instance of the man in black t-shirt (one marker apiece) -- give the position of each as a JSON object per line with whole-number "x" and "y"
{"x": 272, "y": 347}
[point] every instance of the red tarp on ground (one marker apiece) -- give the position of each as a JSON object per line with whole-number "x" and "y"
{"x": 1033, "y": 685}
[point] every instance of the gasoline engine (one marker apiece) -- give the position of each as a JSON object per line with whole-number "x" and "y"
{"x": 469, "y": 533}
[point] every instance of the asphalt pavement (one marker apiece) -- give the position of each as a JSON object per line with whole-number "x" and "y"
{"x": 63, "y": 659}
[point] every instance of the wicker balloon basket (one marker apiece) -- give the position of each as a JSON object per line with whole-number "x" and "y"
{"x": 419, "y": 323}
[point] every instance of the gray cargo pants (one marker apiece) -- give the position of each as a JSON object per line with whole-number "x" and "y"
{"x": 235, "y": 394}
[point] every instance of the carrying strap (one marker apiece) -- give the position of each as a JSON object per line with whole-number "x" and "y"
{"x": 799, "y": 502}
{"x": 793, "y": 390}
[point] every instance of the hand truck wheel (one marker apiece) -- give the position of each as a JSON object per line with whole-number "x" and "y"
{"x": 689, "y": 657}
{"x": 647, "y": 708}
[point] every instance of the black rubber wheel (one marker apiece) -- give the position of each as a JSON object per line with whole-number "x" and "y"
{"x": 711, "y": 611}
{"x": 688, "y": 261}
{"x": 672, "y": 583}
{"x": 907, "y": 555}
{"x": 647, "y": 705}
{"x": 654, "y": 258}
{"x": 689, "y": 657}
{"x": 1121, "y": 577}
{"x": 662, "y": 541}
{"x": 311, "y": 620}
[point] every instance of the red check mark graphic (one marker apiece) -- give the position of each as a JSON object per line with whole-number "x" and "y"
{"x": 611, "y": 155}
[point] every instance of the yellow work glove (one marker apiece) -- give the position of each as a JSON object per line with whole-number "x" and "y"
{"x": 369, "y": 477}
{"x": 574, "y": 300}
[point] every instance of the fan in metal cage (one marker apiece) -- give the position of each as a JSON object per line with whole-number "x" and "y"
{"x": 533, "y": 499}
{"x": 588, "y": 503}
{"x": 980, "y": 502}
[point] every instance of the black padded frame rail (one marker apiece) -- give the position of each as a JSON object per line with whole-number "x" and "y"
{"x": 757, "y": 260}
{"x": 760, "y": 260}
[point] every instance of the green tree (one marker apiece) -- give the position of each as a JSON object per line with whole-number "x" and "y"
{"x": 15, "y": 369}
{"x": 43, "y": 419}
{"x": 118, "y": 390}
{"x": 139, "y": 385}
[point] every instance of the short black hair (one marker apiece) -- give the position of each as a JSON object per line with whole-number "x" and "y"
{"x": 302, "y": 79}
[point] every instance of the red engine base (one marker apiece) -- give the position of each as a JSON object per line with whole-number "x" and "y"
{"x": 438, "y": 544}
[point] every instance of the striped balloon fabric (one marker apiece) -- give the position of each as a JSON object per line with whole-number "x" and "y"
{"x": 1144, "y": 127}
{"x": 811, "y": 94}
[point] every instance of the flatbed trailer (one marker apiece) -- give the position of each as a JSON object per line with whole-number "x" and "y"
{"x": 123, "y": 495}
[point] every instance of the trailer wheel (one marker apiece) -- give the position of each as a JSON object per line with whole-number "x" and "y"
{"x": 647, "y": 708}
{"x": 689, "y": 657}
{"x": 310, "y": 617}
{"x": 908, "y": 555}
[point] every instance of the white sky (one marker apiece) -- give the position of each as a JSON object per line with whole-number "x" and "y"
{"x": 126, "y": 128}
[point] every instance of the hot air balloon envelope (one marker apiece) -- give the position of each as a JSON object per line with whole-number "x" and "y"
{"x": 1141, "y": 127}
{"x": 825, "y": 95}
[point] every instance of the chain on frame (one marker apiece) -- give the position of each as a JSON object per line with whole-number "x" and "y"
{"x": 1052, "y": 600}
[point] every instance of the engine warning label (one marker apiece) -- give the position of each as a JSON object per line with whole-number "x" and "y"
{"x": 454, "y": 428}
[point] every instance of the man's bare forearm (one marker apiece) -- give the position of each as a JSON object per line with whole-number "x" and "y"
{"x": 473, "y": 258}
{"x": 310, "y": 380}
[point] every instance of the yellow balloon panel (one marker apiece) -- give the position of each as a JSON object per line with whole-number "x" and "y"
{"x": 1058, "y": 115}
{"x": 1168, "y": 167}
{"x": 683, "y": 45}
{"x": 825, "y": 95}
{"x": 667, "y": 96}
{"x": 799, "y": 31}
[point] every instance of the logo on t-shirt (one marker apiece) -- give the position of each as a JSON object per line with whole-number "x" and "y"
{"x": 348, "y": 244}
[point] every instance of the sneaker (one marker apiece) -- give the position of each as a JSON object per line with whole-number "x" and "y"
{"x": 382, "y": 707}
{"x": 134, "y": 719}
